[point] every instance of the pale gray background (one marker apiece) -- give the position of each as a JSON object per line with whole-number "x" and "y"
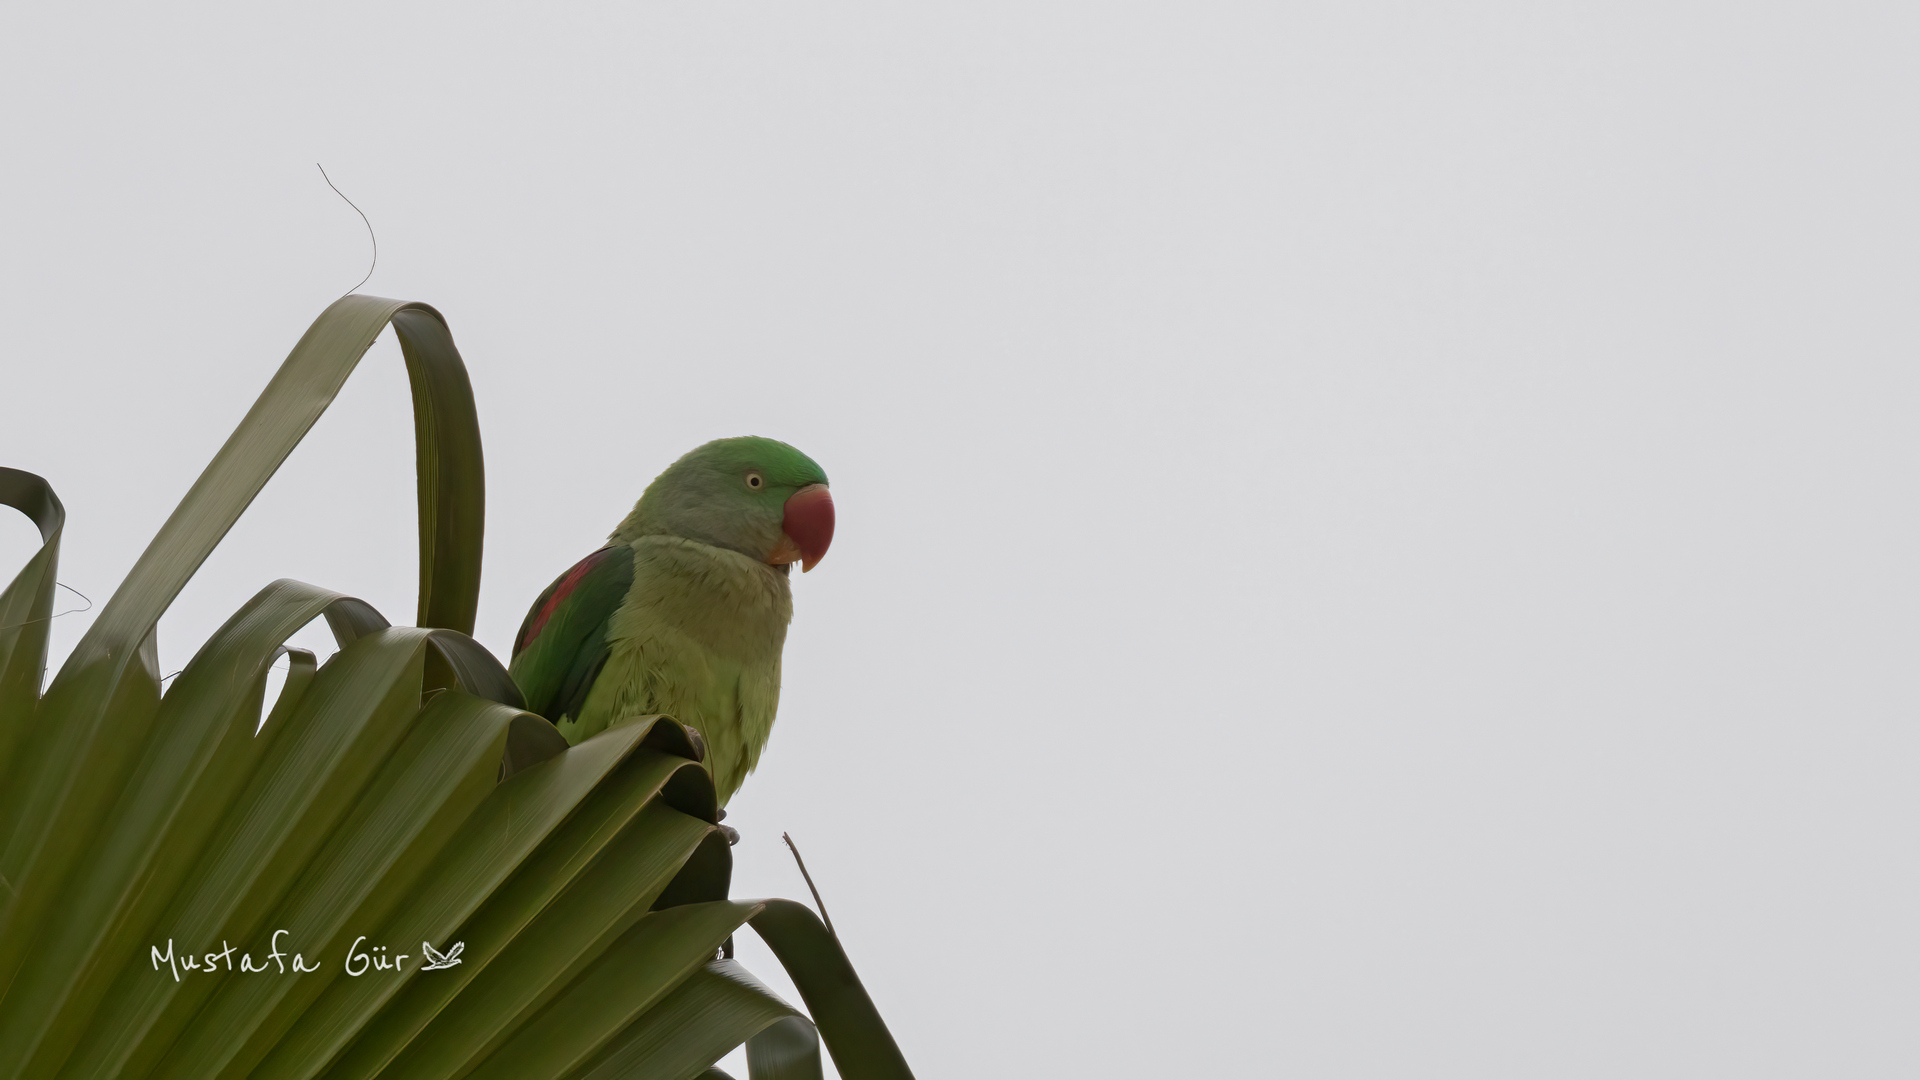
{"x": 1375, "y": 540}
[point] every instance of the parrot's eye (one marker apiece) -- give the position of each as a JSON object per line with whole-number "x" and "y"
{"x": 756, "y": 481}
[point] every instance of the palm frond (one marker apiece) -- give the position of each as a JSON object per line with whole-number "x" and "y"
{"x": 187, "y": 891}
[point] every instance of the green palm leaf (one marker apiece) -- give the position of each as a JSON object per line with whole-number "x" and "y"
{"x": 155, "y": 849}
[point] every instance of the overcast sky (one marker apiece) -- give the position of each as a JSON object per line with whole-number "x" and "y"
{"x": 1375, "y": 540}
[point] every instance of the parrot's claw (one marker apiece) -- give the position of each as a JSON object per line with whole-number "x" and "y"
{"x": 732, "y": 834}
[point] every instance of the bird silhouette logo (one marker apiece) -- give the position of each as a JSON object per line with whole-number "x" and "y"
{"x": 437, "y": 960}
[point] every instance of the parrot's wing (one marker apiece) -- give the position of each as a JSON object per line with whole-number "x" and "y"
{"x": 563, "y": 644}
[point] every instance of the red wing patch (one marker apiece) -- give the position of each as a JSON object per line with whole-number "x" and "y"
{"x": 561, "y": 590}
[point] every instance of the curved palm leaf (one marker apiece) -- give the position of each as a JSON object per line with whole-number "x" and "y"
{"x": 158, "y": 851}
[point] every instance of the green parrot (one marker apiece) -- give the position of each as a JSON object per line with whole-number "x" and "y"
{"x": 685, "y": 610}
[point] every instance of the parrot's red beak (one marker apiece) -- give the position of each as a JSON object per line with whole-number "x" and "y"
{"x": 808, "y": 525}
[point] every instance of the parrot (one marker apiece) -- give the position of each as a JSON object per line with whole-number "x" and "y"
{"x": 684, "y": 612}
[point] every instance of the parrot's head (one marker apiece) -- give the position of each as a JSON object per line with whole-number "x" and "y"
{"x": 759, "y": 497}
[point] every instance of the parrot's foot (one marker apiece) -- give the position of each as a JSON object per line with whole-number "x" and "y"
{"x": 732, "y": 834}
